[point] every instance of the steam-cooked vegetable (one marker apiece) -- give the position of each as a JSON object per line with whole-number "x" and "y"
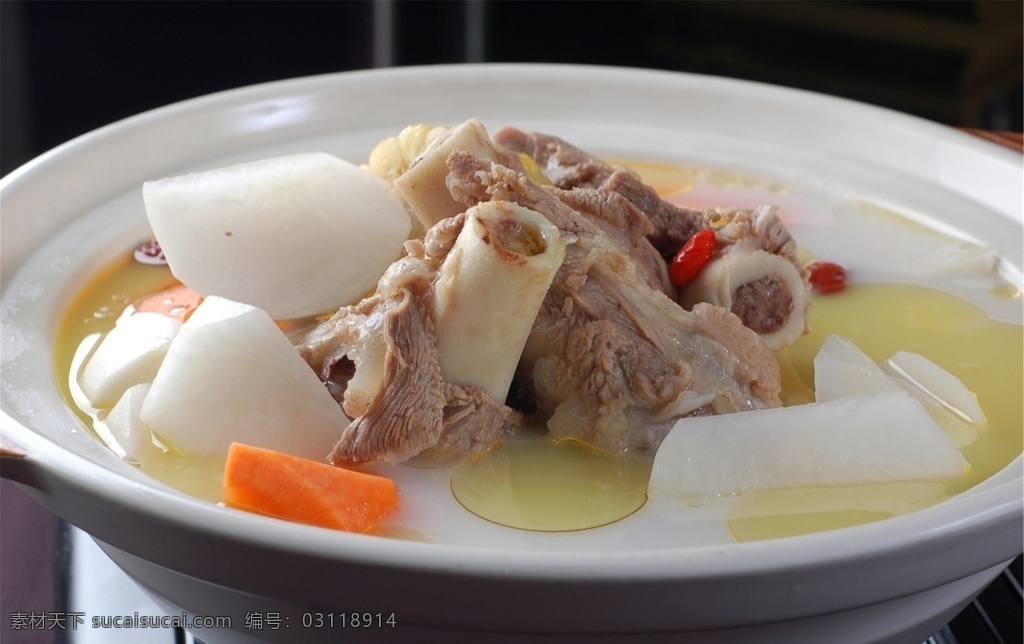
{"x": 176, "y": 302}
{"x": 847, "y": 441}
{"x": 943, "y": 386}
{"x": 128, "y": 354}
{"x": 393, "y": 156}
{"x": 296, "y": 235}
{"x": 841, "y": 369}
{"x": 296, "y": 489}
{"x": 232, "y": 375}
{"x": 127, "y": 429}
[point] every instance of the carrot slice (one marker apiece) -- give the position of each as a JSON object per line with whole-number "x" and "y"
{"x": 287, "y": 487}
{"x": 177, "y": 302}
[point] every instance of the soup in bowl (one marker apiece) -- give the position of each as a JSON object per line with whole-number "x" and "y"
{"x": 931, "y": 271}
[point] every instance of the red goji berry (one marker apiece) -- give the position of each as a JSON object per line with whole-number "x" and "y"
{"x": 827, "y": 277}
{"x": 692, "y": 258}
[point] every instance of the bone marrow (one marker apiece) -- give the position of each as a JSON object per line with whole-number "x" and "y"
{"x": 764, "y": 305}
{"x": 519, "y": 237}
{"x": 766, "y": 291}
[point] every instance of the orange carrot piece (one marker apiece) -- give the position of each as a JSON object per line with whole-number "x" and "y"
{"x": 287, "y": 487}
{"x": 177, "y": 302}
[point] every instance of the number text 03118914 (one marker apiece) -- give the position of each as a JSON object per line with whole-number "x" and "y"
{"x": 348, "y": 620}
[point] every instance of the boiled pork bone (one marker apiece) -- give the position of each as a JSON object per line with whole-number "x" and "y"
{"x": 612, "y": 360}
{"x": 488, "y": 290}
{"x": 754, "y": 272}
{"x": 380, "y": 360}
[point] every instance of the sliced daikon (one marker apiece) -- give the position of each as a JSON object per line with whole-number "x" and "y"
{"x": 295, "y": 235}
{"x": 961, "y": 430}
{"x": 127, "y": 428}
{"x": 841, "y": 369}
{"x": 946, "y": 388}
{"x": 848, "y": 441}
{"x": 127, "y": 355}
{"x": 232, "y": 375}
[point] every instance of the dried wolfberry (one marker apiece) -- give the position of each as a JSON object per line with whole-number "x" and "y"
{"x": 827, "y": 277}
{"x": 692, "y": 258}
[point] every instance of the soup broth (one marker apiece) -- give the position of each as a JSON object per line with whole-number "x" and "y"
{"x": 881, "y": 317}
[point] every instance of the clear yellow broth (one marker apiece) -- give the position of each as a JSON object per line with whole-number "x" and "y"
{"x": 883, "y": 319}
{"x": 880, "y": 318}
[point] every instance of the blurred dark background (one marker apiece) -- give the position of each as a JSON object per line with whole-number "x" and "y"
{"x": 70, "y": 67}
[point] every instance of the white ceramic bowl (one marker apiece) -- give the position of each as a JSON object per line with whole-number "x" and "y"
{"x": 893, "y": 580}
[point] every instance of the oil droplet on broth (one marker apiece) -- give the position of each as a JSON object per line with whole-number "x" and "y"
{"x": 536, "y": 484}
{"x": 882, "y": 319}
{"x": 1006, "y": 291}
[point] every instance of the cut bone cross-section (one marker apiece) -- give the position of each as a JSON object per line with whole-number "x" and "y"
{"x": 488, "y": 292}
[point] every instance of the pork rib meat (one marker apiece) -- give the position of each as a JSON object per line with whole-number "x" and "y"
{"x": 380, "y": 361}
{"x": 612, "y": 360}
{"x": 772, "y": 297}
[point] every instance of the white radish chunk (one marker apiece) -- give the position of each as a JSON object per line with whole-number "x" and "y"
{"x": 841, "y": 369}
{"x": 849, "y": 441}
{"x": 127, "y": 355}
{"x": 940, "y": 384}
{"x": 127, "y": 428}
{"x": 961, "y": 430}
{"x": 296, "y": 235}
{"x": 232, "y": 375}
